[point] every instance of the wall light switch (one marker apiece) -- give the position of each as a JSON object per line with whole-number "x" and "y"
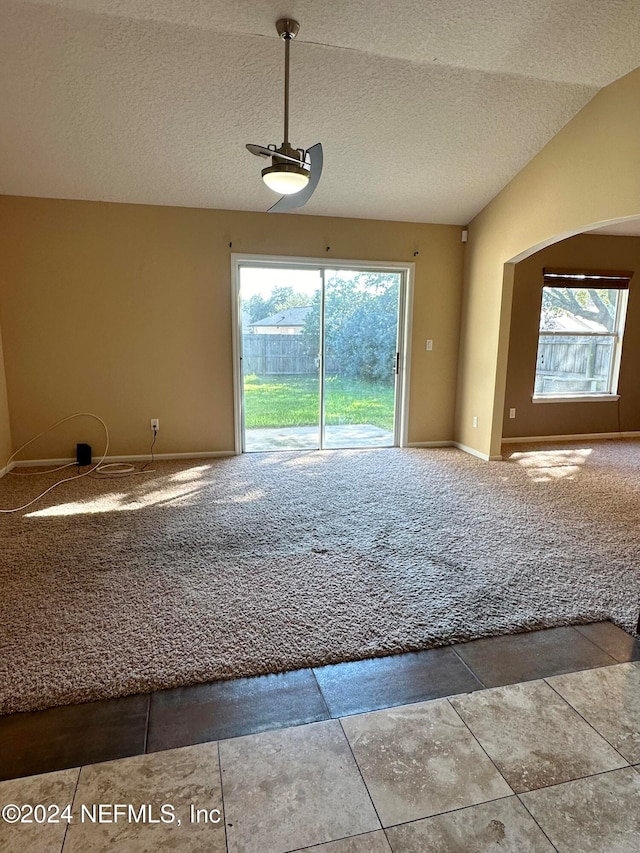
{"x": 429, "y": 345}
{"x": 474, "y": 422}
{"x": 512, "y": 413}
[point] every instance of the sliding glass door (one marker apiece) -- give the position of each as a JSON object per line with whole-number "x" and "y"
{"x": 320, "y": 354}
{"x": 281, "y": 363}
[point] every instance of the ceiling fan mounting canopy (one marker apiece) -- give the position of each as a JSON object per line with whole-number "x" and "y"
{"x": 294, "y": 172}
{"x": 287, "y": 28}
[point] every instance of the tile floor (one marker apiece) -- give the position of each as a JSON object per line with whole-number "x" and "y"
{"x": 523, "y": 743}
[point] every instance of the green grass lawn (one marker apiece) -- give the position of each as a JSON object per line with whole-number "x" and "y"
{"x": 283, "y": 401}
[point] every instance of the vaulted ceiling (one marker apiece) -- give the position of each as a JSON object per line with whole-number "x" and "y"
{"x": 425, "y": 109}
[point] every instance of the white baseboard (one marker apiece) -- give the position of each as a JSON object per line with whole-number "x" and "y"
{"x": 474, "y": 452}
{"x": 586, "y": 436}
{"x": 429, "y": 444}
{"x": 214, "y": 454}
{"x": 145, "y": 457}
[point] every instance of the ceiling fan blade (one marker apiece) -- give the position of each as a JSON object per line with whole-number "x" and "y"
{"x": 261, "y": 151}
{"x": 291, "y": 202}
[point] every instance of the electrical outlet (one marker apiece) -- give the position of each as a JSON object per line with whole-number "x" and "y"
{"x": 155, "y": 424}
{"x": 474, "y": 422}
{"x": 512, "y": 413}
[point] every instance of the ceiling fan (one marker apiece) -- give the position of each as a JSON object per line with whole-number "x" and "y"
{"x": 294, "y": 172}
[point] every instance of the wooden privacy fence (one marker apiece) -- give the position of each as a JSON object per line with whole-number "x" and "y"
{"x": 575, "y": 356}
{"x": 573, "y": 363}
{"x": 276, "y": 355}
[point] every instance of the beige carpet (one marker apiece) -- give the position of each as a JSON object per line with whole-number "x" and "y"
{"x": 268, "y": 562}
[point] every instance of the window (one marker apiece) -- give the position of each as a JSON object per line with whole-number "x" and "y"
{"x": 580, "y": 339}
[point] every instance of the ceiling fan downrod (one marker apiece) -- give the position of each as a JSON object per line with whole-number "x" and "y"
{"x": 287, "y": 29}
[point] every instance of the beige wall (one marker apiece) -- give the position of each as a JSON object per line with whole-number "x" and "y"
{"x": 6, "y": 446}
{"x": 125, "y": 311}
{"x": 588, "y": 174}
{"x": 5, "y": 429}
{"x": 581, "y": 252}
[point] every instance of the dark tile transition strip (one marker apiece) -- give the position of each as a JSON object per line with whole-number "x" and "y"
{"x": 513, "y": 658}
{"x": 368, "y": 685}
{"x": 223, "y": 709}
{"x": 70, "y": 736}
{"x": 620, "y": 645}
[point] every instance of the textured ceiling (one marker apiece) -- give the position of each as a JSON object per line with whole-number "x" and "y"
{"x": 425, "y": 110}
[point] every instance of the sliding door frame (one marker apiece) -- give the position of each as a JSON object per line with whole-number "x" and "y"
{"x": 405, "y": 316}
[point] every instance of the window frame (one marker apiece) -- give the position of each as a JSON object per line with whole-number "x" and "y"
{"x": 587, "y": 280}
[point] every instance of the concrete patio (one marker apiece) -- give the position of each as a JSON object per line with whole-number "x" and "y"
{"x": 308, "y": 437}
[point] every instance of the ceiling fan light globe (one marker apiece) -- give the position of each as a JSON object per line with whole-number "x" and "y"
{"x": 286, "y": 178}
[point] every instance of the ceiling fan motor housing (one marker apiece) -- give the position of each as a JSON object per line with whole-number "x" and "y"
{"x": 288, "y": 151}
{"x": 281, "y": 166}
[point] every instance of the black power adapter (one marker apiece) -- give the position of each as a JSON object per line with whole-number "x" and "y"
{"x": 83, "y": 454}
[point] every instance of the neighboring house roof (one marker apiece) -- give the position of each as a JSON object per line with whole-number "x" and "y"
{"x": 288, "y": 317}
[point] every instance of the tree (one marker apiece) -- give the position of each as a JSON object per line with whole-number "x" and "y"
{"x": 360, "y": 326}
{"x": 598, "y": 306}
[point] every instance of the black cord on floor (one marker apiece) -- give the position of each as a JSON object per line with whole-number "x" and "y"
{"x": 150, "y": 462}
